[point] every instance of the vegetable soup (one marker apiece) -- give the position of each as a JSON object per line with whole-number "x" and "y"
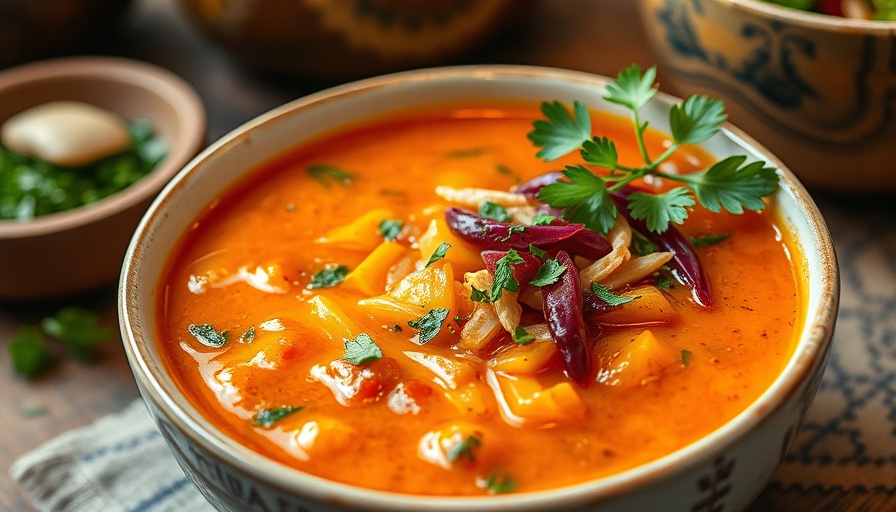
{"x": 394, "y": 307}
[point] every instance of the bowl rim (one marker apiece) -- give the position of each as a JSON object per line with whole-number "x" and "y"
{"x": 813, "y": 20}
{"x": 817, "y": 331}
{"x": 120, "y": 71}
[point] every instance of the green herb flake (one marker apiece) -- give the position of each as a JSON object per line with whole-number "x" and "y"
{"x": 465, "y": 153}
{"x": 513, "y": 230}
{"x": 538, "y": 253}
{"x": 429, "y": 324}
{"x": 267, "y": 417}
{"x": 361, "y": 350}
{"x": 494, "y": 211}
{"x": 249, "y": 335}
{"x": 543, "y": 219}
{"x": 328, "y": 277}
{"x": 641, "y": 245}
{"x": 521, "y": 336}
{"x": 390, "y": 229}
{"x": 439, "y": 253}
{"x": 549, "y": 272}
{"x": 464, "y": 449}
{"x": 609, "y": 297}
{"x": 499, "y": 484}
{"x": 78, "y": 329}
{"x": 664, "y": 282}
{"x": 28, "y": 351}
{"x": 705, "y": 241}
{"x": 328, "y": 174}
{"x": 35, "y": 411}
{"x": 685, "y": 357}
{"x": 477, "y": 295}
{"x": 504, "y": 279}
{"x": 208, "y": 335}
{"x": 732, "y": 184}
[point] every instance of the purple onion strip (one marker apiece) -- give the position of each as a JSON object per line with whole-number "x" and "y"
{"x": 562, "y": 308}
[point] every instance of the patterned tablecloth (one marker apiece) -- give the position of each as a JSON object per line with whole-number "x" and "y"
{"x": 844, "y": 458}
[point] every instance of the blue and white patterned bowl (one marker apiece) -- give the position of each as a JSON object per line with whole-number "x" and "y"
{"x": 725, "y": 470}
{"x": 817, "y": 90}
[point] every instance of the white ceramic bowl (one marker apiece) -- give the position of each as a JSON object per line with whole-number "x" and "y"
{"x": 740, "y": 456}
{"x": 817, "y": 90}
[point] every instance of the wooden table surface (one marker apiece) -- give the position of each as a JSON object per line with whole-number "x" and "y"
{"x": 596, "y": 36}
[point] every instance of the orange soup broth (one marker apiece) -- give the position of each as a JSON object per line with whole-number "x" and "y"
{"x": 271, "y": 221}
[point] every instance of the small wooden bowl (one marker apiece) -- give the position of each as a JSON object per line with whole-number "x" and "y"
{"x": 83, "y": 248}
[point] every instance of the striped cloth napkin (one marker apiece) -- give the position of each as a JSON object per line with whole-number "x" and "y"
{"x": 118, "y": 464}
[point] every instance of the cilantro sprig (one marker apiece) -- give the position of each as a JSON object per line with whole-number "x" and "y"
{"x": 731, "y": 184}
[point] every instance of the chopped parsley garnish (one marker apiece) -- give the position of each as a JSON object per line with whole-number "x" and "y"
{"x": 429, "y": 324}
{"x": 585, "y": 198}
{"x": 513, "y": 230}
{"x": 208, "y": 335}
{"x": 267, "y": 417}
{"x": 685, "y": 357}
{"x": 361, "y": 350}
{"x": 642, "y": 246}
{"x": 609, "y": 297}
{"x": 549, "y": 272}
{"x": 704, "y": 241}
{"x": 390, "y": 229}
{"x": 543, "y": 219}
{"x": 439, "y": 253}
{"x": 664, "y": 282}
{"x": 477, "y": 295}
{"x": 521, "y": 336}
{"x": 78, "y": 329}
{"x": 538, "y": 253}
{"x": 464, "y": 449}
{"x": 499, "y": 484}
{"x": 328, "y": 277}
{"x": 28, "y": 351}
{"x": 249, "y": 335}
{"x": 494, "y": 211}
{"x": 328, "y": 174}
{"x": 504, "y": 279}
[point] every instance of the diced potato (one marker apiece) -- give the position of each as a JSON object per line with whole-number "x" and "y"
{"x": 628, "y": 360}
{"x": 332, "y": 321}
{"x": 472, "y": 399}
{"x": 324, "y": 437}
{"x": 462, "y": 255}
{"x": 369, "y": 277}
{"x": 525, "y": 359}
{"x": 652, "y": 307}
{"x": 362, "y": 234}
{"x": 450, "y": 373}
{"x": 524, "y": 401}
{"x": 480, "y": 328}
{"x": 416, "y": 295}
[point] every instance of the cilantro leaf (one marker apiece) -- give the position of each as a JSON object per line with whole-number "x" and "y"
{"x": 706, "y": 241}
{"x": 494, "y": 211}
{"x": 477, "y": 295}
{"x": 538, "y": 253}
{"x": 390, "y": 229}
{"x": 267, "y": 417}
{"x": 439, "y": 253}
{"x": 361, "y": 350}
{"x": 28, "y": 351}
{"x": 733, "y": 187}
{"x": 429, "y": 324}
{"x": 542, "y": 219}
{"x": 641, "y": 245}
{"x": 208, "y": 335}
{"x": 325, "y": 174}
{"x": 658, "y": 210}
{"x": 499, "y": 484}
{"x": 697, "y": 119}
{"x": 549, "y": 272}
{"x": 604, "y": 294}
{"x": 328, "y": 277}
{"x": 631, "y": 89}
{"x": 464, "y": 449}
{"x": 562, "y": 132}
{"x": 249, "y": 335}
{"x": 600, "y": 151}
{"x": 584, "y": 199}
{"x": 78, "y": 329}
{"x": 504, "y": 279}
{"x": 521, "y": 336}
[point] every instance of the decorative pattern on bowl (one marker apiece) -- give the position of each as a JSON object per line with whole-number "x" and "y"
{"x": 818, "y": 90}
